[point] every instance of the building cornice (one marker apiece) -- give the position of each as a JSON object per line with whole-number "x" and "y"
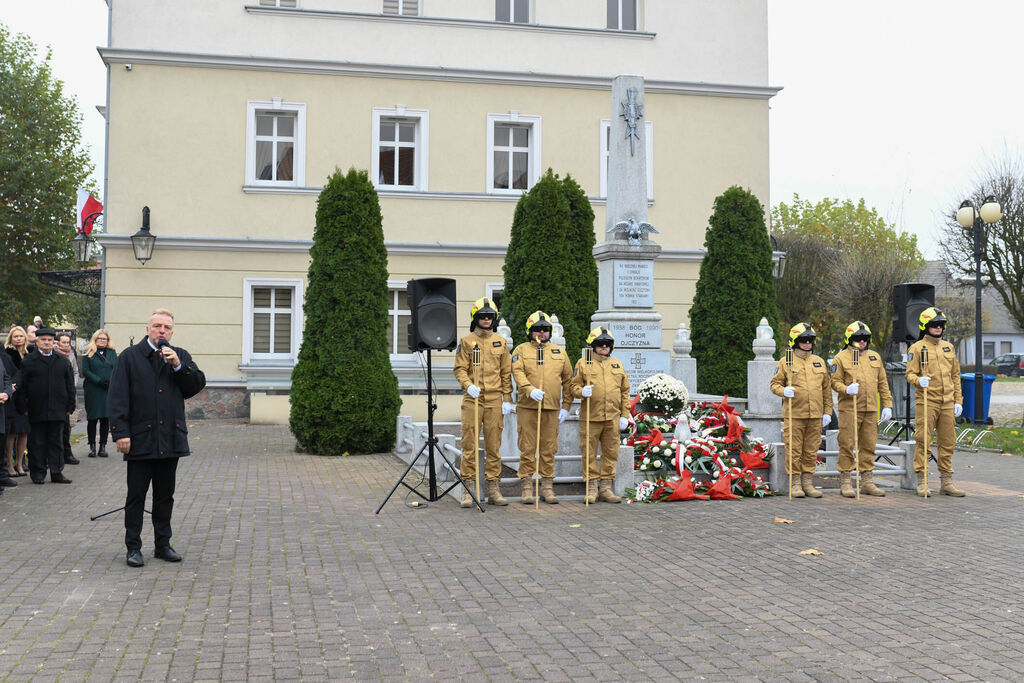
{"x": 430, "y": 249}
{"x": 412, "y": 194}
{"x": 302, "y": 13}
{"x": 428, "y": 73}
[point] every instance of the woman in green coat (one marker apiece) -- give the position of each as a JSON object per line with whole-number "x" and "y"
{"x": 96, "y": 368}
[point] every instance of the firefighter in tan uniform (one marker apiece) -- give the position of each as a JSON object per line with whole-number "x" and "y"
{"x": 488, "y": 390}
{"x": 806, "y": 385}
{"x": 858, "y": 374}
{"x": 553, "y": 403}
{"x": 940, "y": 379}
{"x": 604, "y": 388}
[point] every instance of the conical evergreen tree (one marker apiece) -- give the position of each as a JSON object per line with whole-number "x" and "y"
{"x": 734, "y": 291}
{"x": 344, "y": 395}
{"x": 549, "y": 264}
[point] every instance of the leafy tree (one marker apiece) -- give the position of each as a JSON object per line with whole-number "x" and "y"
{"x": 42, "y": 164}
{"x": 960, "y": 312}
{"x": 549, "y": 265}
{"x": 1002, "y": 266}
{"x": 344, "y": 396}
{"x": 734, "y": 291}
{"x": 842, "y": 261}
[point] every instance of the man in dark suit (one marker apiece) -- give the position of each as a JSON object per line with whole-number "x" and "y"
{"x": 46, "y": 395}
{"x": 146, "y": 406}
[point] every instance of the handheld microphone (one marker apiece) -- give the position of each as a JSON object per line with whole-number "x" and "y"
{"x": 160, "y": 344}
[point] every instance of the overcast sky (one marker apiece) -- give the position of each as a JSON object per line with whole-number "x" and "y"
{"x": 896, "y": 101}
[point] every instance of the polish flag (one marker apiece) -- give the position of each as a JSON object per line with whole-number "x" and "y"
{"x": 86, "y": 205}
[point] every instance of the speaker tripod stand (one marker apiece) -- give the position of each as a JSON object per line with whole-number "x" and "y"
{"x": 429, "y": 447}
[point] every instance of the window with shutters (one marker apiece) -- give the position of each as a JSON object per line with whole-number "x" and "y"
{"x": 513, "y": 152}
{"x": 622, "y": 14}
{"x": 512, "y": 11}
{"x": 272, "y": 326}
{"x": 406, "y": 7}
{"x": 275, "y": 150}
{"x": 400, "y": 146}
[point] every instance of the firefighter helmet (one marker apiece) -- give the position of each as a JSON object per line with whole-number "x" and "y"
{"x": 600, "y": 335}
{"x": 931, "y": 316}
{"x": 538, "y": 320}
{"x": 857, "y": 330}
{"x": 801, "y": 332}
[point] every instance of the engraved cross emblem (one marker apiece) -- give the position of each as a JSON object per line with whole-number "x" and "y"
{"x": 638, "y": 361}
{"x": 632, "y": 111}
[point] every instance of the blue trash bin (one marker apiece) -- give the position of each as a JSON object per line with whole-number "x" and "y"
{"x": 967, "y": 387}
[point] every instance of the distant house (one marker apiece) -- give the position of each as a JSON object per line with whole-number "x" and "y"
{"x": 1001, "y": 333}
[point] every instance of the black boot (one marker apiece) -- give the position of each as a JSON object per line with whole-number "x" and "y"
{"x": 103, "y": 450}
{"x": 92, "y": 450}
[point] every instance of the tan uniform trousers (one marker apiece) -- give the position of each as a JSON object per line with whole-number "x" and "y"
{"x": 527, "y": 421}
{"x": 606, "y": 433}
{"x": 867, "y": 436}
{"x": 940, "y": 420}
{"x": 806, "y": 440}
{"x": 492, "y": 423}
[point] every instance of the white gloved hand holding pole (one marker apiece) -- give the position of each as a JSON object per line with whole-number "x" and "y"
{"x": 587, "y": 391}
{"x": 853, "y": 389}
{"x": 473, "y": 391}
{"x": 923, "y": 382}
{"x": 789, "y": 392}
{"x": 537, "y": 395}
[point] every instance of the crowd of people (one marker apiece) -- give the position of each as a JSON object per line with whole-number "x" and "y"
{"x": 40, "y": 374}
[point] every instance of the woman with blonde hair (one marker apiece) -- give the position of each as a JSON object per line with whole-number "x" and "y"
{"x": 17, "y": 425}
{"x": 97, "y": 365}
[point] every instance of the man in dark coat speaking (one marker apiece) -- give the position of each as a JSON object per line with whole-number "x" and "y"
{"x": 146, "y": 405}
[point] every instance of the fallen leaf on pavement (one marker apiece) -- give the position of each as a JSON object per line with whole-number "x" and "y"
{"x": 574, "y": 526}
{"x": 783, "y": 520}
{"x": 811, "y": 551}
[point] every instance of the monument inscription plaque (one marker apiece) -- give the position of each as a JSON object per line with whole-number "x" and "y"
{"x": 634, "y": 284}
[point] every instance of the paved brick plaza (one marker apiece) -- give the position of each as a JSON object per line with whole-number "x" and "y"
{"x": 288, "y": 575}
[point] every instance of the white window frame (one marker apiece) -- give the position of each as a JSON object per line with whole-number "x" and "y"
{"x": 534, "y": 149}
{"x": 279, "y": 3}
{"x": 401, "y": 8}
{"x": 298, "y": 150}
{"x": 395, "y": 286}
{"x": 421, "y": 166}
{"x": 636, "y": 15}
{"x": 604, "y": 130}
{"x": 250, "y": 283}
{"x": 512, "y": 12}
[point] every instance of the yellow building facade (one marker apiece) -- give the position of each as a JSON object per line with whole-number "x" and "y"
{"x": 227, "y": 126}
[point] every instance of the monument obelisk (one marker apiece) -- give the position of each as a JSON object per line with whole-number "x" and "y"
{"x": 625, "y": 259}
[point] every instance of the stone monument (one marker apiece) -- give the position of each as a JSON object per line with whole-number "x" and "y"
{"x": 625, "y": 259}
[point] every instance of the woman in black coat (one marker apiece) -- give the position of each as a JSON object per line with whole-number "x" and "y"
{"x": 97, "y": 365}
{"x": 17, "y": 425}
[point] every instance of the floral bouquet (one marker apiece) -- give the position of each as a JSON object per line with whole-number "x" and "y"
{"x": 663, "y": 394}
{"x": 654, "y": 450}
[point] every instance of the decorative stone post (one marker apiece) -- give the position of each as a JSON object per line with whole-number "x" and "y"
{"x": 684, "y": 366}
{"x": 764, "y": 409}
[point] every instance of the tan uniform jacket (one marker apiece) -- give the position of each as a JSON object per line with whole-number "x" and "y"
{"x": 610, "y": 399}
{"x": 869, "y": 373}
{"x": 495, "y": 372}
{"x": 809, "y": 377}
{"x": 557, "y": 375}
{"x": 943, "y": 368}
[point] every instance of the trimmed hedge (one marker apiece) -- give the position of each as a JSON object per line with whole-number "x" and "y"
{"x": 550, "y": 264}
{"x": 344, "y": 396}
{"x": 734, "y": 291}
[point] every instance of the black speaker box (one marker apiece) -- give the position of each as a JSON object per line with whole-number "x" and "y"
{"x": 908, "y": 300}
{"x": 433, "y": 321}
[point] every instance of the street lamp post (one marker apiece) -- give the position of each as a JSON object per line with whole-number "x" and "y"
{"x": 82, "y": 244}
{"x": 969, "y": 217}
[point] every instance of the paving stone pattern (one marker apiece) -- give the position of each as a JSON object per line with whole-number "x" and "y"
{"x": 289, "y": 575}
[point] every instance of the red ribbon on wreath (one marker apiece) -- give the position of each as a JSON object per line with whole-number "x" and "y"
{"x": 722, "y": 489}
{"x": 683, "y": 489}
{"x": 729, "y": 413}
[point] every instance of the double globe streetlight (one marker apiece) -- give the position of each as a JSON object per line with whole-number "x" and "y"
{"x": 969, "y": 217}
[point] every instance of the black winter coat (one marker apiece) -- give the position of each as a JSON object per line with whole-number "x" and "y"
{"x": 46, "y": 392}
{"x": 146, "y": 402}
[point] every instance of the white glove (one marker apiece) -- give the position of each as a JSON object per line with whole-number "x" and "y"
{"x": 789, "y": 392}
{"x": 957, "y": 409}
{"x": 588, "y": 391}
{"x": 623, "y": 423}
{"x": 924, "y": 382}
{"x": 537, "y": 395}
{"x": 473, "y": 391}
{"x": 886, "y": 414}
{"x": 853, "y": 389}
{"x": 562, "y": 414}
{"x": 506, "y": 407}
{"x": 826, "y": 420}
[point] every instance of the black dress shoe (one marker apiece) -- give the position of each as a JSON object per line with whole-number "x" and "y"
{"x": 167, "y": 554}
{"x": 92, "y": 450}
{"x": 7, "y": 481}
{"x": 103, "y": 452}
{"x": 134, "y": 558}
{"x": 59, "y": 479}
{"x": 71, "y": 460}
{"x": 38, "y": 481}
{"x": 19, "y": 474}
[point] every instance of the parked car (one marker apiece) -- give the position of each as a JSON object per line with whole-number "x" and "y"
{"x": 1011, "y": 364}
